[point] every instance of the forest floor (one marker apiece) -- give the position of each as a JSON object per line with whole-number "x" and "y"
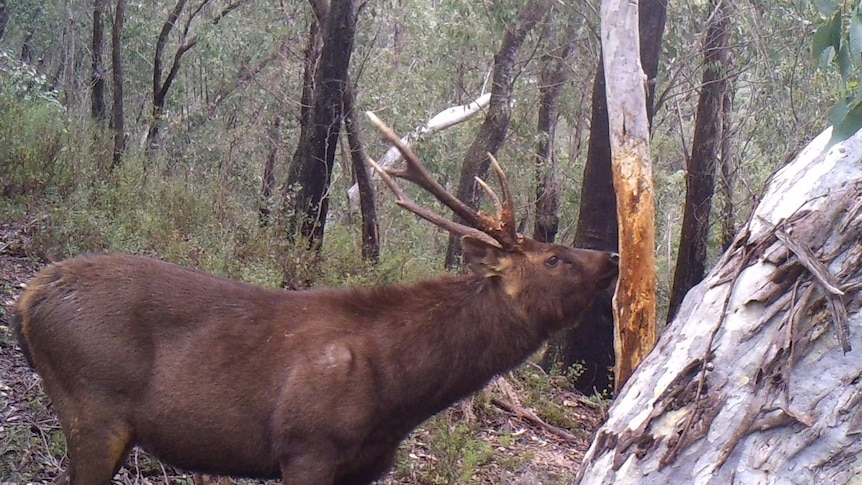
{"x": 524, "y": 429}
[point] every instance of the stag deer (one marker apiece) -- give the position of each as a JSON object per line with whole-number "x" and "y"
{"x": 315, "y": 387}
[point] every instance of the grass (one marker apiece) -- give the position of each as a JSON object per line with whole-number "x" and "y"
{"x": 53, "y": 183}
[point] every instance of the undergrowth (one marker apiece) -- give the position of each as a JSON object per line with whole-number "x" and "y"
{"x": 54, "y": 179}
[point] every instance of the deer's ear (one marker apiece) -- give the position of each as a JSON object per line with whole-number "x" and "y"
{"x": 484, "y": 259}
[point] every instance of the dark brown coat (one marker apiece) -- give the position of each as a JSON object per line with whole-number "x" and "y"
{"x": 316, "y": 387}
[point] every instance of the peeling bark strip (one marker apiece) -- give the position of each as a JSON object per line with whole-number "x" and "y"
{"x": 632, "y": 171}
{"x": 755, "y": 381}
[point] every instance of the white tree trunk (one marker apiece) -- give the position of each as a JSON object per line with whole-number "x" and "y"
{"x": 755, "y": 381}
{"x": 625, "y": 87}
{"x": 442, "y": 120}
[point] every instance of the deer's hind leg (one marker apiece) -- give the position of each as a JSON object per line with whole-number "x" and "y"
{"x": 97, "y": 445}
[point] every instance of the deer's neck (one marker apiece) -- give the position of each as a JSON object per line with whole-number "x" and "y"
{"x": 451, "y": 341}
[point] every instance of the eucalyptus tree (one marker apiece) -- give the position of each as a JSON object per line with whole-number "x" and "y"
{"x": 493, "y": 131}
{"x": 97, "y": 75}
{"x": 597, "y": 215}
{"x": 706, "y": 147}
{"x": 118, "y": 118}
{"x": 311, "y": 172}
{"x": 188, "y": 39}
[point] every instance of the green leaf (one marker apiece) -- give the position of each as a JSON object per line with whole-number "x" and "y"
{"x": 826, "y": 7}
{"x": 839, "y": 111}
{"x": 844, "y": 62}
{"x": 848, "y": 125}
{"x": 827, "y": 35}
{"x": 855, "y": 30}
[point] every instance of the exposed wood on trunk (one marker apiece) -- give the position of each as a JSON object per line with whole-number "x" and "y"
{"x": 701, "y": 167}
{"x": 727, "y": 174}
{"x": 597, "y": 217}
{"x": 750, "y": 384}
{"x": 493, "y": 131}
{"x": 635, "y": 301}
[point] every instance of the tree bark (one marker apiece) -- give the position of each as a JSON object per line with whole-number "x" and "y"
{"x": 370, "y": 233}
{"x": 727, "y": 179}
{"x": 634, "y": 303}
{"x": 160, "y": 86}
{"x": 597, "y": 222}
{"x": 551, "y": 80}
{"x": 276, "y": 137}
{"x": 700, "y": 173}
{"x": 97, "y": 74}
{"x": 118, "y": 122}
{"x": 4, "y": 17}
{"x": 310, "y": 174}
{"x": 493, "y": 130}
{"x": 755, "y": 380}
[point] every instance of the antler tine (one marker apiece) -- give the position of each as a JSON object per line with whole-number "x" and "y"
{"x": 507, "y": 210}
{"x": 497, "y": 205}
{"x": 406, "y": 202}
{"x": 416, "y": 173}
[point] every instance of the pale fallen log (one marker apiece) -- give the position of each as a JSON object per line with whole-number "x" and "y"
{"x": 759, "y": 378}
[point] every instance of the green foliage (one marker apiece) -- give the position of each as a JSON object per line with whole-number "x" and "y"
{"x": 838, "y": 42}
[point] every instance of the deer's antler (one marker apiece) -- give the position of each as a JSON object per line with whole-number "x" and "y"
{"x": 500, "y": 232}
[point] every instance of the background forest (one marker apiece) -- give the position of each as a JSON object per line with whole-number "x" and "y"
{"x": 176, "y": 129}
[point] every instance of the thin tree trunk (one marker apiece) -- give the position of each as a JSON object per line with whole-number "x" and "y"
{"x": 597, "y": 222}
{"x": 97, "y": 75}
{"x": 700, "y": 173}
{"x": 117, "y": 117}
{"x": 554, "y": 75}
{"x": 4, "y": 17}
{"x": 370, "y": 233}
{"x": 311, "y": 63}
{"x": 728, "y": 169}
{"x": 634, "y": 303}
{"x": 493, "y": 130}
{"x": 276, "y": 137}
{"x": 313, "y": 174}
{"x": 754, "y": 381}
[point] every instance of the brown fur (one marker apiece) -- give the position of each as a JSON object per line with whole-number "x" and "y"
{"x": 317, "y": 386}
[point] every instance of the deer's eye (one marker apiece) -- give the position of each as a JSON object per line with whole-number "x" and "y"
{"x": 552, "y": 261}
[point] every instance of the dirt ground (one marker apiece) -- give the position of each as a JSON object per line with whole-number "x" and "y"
{"x": 517, "y": 444}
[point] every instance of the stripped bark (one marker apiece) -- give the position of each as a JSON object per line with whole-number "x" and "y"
{"x": 635, "y": 302}
{"x": 755, "y": 381}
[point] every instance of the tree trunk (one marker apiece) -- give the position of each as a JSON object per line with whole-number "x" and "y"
{"x": 97, "y": 75}
{"x": 4, "y": 17}
{"x": 551, "y": 80}
{"x": 276, "y": 137}
{"x": 727, "y": 178}
{"x": 597, "y": 220}
{"x": 310, "y": 175}
{"x": 700, "y": 173}
{"x": 634, "y": 302}
{"x": 753, "y": 382}
{"x": 370, "y": 233}
{"x": 493, "y": 131}
{"x": 117, "y": 118}
{"x": 187, "y": 42}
